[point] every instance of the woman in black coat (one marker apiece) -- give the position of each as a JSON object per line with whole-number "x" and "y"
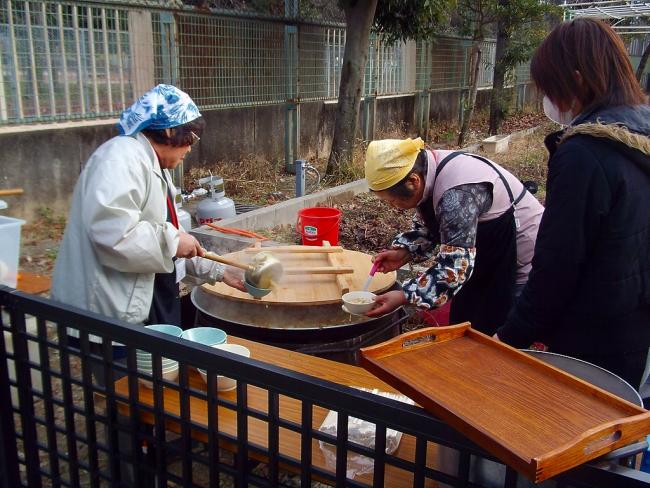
{"x": 588, "y": 294}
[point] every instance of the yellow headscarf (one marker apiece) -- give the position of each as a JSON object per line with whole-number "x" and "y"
{"x": 388, "y": 161}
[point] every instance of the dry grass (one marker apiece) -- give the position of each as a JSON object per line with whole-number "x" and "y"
{"x": 364, "y": 215}
{"x": 444, "y": 135}
{"x": 527, "y": 158}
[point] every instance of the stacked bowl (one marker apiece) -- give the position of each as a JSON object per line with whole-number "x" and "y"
{"x": 209, "y": 336}
{"x": 169, "y": 366}
{"x": 223, "y": 382}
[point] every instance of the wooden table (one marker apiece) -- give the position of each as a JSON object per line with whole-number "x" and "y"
{"x": 290, "y": 409}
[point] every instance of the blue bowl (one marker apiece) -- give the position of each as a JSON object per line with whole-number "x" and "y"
{"x": 166, "y": 328}
{"x": 205, "y": 335}
{"x": 256, "y": 292}
{"x": 172, "y": 330}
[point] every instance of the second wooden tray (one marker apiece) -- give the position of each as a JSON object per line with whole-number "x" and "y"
{"x": 533, "y": 416}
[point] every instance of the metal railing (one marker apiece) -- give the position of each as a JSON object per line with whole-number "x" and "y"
{"x": 87, "y": 59}
{"x": 61, "y": 61}
{"x": 60, "y": 427}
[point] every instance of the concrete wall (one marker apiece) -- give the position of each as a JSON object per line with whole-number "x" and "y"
{"x": 46, "y": 160}
{"x": 46, "y": 164}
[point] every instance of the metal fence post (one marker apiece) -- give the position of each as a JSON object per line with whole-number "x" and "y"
{"x": 425, "y": 101}
{"x": 292, "y": 125}
{"x": 299, "y": 168}
{"x": 369, "y": 117}
{"x": 168, "y": 48}
{"x": 9, "y": 470}
{"x": 25, "y": 403}
{"x": 464, "y": 88}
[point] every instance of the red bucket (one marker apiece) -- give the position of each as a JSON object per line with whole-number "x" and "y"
{"x": 318, "y": 224}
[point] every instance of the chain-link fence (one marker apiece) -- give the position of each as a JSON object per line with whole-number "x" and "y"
{"x": 86, "y": 59}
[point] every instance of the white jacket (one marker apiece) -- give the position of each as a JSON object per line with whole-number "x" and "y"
{"x": 117, "y": 237}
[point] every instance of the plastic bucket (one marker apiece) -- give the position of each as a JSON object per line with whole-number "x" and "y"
{"x": 318, "y": 224}
{"x": 9, "y": 250}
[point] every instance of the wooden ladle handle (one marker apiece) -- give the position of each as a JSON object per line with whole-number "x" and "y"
{"x": 215, "y": 257}
{"x": 319, "y": 270}
{"x": 11, "y": 191}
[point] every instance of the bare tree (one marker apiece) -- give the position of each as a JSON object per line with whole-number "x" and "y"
{"x": 477, "y": 16}
{"x": 395, "y": 20}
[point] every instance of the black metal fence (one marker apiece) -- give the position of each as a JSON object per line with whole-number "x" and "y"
{"x": 61, "y": 427}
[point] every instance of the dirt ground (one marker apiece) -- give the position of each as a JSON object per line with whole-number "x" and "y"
{"x": 369, "y": 225}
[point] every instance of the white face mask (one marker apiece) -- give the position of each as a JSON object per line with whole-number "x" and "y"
{"x": 555, "y": 114}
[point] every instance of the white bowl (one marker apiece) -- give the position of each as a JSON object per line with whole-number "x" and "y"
{"x": 170, "y": 375}
{"x": 149, "y": 369}
{"x": 148, "y": 363}
{"x": 359, "y": 302}
{"x": 223, "y": 382}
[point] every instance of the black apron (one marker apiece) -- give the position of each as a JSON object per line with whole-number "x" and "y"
{"x": 487, "y": 296}
{"x": 166, "y": 302}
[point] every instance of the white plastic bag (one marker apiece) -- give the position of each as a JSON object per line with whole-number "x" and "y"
{"x": 360, "y": 432}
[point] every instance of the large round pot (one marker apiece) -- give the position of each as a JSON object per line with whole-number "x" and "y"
{"x": 484, "y": 472}
{"x": 321, "y": 330}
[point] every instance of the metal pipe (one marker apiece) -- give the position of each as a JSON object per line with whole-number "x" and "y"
{"x": 3, "y": 102}
{"x": 91, "y": 42}
{"x": 48, "y": 60}
{"x": 66, "y": 87}
{"x": 299, "y": 166}
{"x": 75, "y": 24}
{"x": 32, "y": 59}
{"x": 107, "y": 61}
{"x": 118, "y": 35}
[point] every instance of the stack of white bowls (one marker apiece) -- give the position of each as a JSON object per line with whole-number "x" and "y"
{"x": 145, "y": 361}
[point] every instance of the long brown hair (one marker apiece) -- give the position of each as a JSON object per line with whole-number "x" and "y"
{"x": 592, "y": 48}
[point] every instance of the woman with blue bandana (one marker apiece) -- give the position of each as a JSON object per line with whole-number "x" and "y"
{"x": 123, "y": 251}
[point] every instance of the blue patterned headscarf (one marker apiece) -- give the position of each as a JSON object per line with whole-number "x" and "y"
{"x": 161, "y": 107}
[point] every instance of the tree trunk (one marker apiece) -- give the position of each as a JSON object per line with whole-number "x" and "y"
{"x": 358, "y": 17}
{"x": 498, "y": 101}
{"x": 642, "y": 62}
{"x": 468, "y": 110}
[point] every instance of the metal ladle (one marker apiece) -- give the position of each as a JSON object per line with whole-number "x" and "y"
{"x": 263, "y": 270}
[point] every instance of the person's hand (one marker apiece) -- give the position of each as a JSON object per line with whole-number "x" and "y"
{"x": 386, "y": 303}
{"x": 234, "y": 277}
{"x": 391, "y": 259}
{"x": 188, "y": 246}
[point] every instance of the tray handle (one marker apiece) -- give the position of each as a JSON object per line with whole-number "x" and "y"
{"x": 596, "y": 442}
{"x": 415, "y": 340}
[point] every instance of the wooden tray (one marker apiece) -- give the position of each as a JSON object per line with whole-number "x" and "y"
{"x": 533, "y": 416}
{"x": 307, "y": 288}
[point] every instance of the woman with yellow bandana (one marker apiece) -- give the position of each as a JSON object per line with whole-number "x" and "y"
{"x": 475, "y": 219}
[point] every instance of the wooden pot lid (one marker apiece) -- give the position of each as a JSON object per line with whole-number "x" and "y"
{"x": 311, "y": 289}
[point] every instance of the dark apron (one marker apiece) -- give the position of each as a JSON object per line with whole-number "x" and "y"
{"x": 166, "y": 303}
{"x": 487, "y": 296}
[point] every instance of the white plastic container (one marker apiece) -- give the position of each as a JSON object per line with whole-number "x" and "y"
{"x": 9, "y": 250}
{"x": 496, "y": 144}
